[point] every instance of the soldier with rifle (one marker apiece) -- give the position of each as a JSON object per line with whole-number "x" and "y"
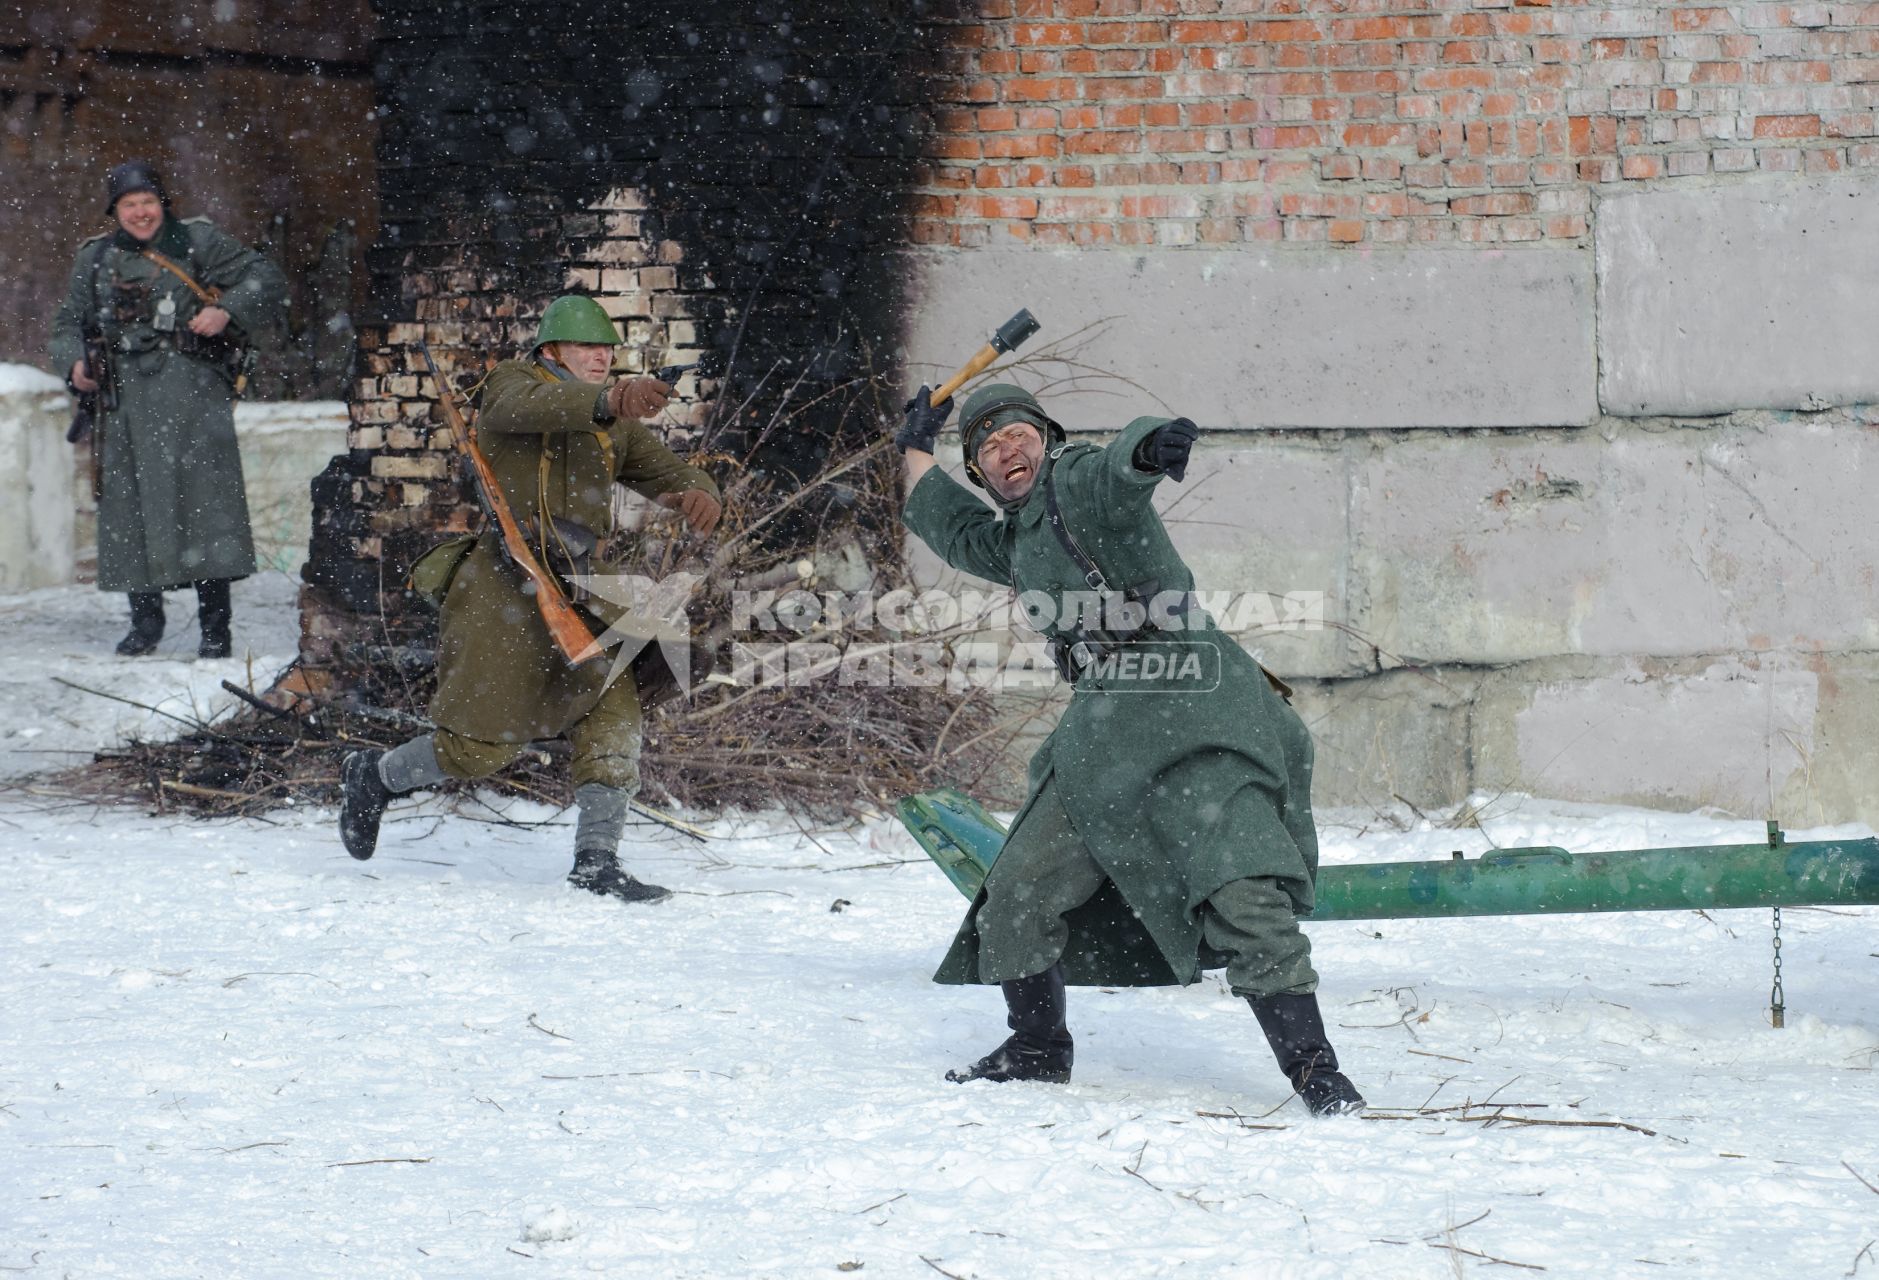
{"x": 156, "y": 336}
{"x": 515, "y": 660}
{"x": 1168, "y": 825}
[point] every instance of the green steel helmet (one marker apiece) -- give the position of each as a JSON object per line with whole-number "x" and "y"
{"x": 1000, "y": 405}
{"x": 576, "y": 318}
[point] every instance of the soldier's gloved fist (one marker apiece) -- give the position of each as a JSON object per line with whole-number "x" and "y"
{"x": 700, "y": 509}
{"x": 1166, "y": 448}
{"x": 637, "y": 397}
{"x": 924, "y": 420}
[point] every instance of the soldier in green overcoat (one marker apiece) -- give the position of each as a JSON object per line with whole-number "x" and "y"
{"x": 557, "y": 435}
{"x": 1168, "y": 824}
{"x": 168, "y": 309}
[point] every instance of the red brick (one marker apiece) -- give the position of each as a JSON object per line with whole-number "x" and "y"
{"x": 1702, "y": 20}
{"x": 1136, "y": 33}
{"x": 1041, "y": 90}
{"x": 1500, "y": 204}
{"x": 1379, "y": 135}
{"x": 1787, "y": 126}
{"x": 1101, "y": 87}
{"x": 1207, "y": 32}
{"x": 1381, "y": 28}
{"x": 1036, "y": 33}
{"x": 997, "y": 206}
{"x": 1109, "y": 143}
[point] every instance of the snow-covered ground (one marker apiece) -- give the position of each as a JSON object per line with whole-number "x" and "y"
{"x": 229, "y": 1050}
{"x": 57, "y": 665}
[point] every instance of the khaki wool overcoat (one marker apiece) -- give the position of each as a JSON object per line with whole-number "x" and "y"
{"x": 500, "y": 677}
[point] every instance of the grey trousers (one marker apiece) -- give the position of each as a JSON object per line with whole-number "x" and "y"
{"x": 1046, "y": 871}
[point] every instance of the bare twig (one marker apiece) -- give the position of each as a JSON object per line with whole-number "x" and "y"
{"x": 1488, "y": 1257}
{"x": 545, "y": 1031}
{"x": 351, "y": 1164}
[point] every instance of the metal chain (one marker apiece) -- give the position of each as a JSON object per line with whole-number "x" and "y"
{"x": 1777, "y": 1002}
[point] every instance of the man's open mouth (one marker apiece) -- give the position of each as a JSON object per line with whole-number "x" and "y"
{"x": 1017, "y": 471}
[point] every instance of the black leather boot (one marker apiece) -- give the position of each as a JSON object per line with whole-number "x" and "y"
{"x": 214, "y": 613}
{"x": 1295, "y": 1029}
{"x": 146, "y": 624}
{"x": 362, "y": 800}
{"x": 599, "y": 871}
{"x": 1039, "y": 1047}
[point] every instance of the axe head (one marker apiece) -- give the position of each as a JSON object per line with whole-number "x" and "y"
{"x": 1014, "y": 331}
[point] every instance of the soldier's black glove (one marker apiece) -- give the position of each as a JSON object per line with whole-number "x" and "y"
{"x": 924, "y": 420}
{"x": 1165, "y": 449}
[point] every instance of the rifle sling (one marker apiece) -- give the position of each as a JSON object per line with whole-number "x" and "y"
{"x": 208, "y": 297}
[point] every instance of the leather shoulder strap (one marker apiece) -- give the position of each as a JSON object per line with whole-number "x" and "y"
{"x": 1053, "y": 515}
{"x": 207, "y": 296}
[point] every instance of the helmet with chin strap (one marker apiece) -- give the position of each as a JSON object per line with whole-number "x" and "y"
{"x": 1000, "y": 405}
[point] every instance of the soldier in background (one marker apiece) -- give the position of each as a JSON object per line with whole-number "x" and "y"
{"x": 158, "y": 326}
{"x": 558, "y": 435}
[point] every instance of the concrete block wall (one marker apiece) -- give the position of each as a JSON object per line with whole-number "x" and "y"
{"x": 720, "y": 177}
{"x": 1540, "y": 339}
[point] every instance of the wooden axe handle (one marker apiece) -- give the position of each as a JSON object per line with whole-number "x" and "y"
{"x": 967, "y": 372}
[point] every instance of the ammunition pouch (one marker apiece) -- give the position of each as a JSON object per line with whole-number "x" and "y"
{"x": 232, "y": 356}
{"x": 432, "y": 574}
{"x": 1088, "y": 646}
{"x": 1083, "y": 648}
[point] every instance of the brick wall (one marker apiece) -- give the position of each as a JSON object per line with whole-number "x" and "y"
{"x": 1177, "y": 122}
{"x": 258, "y": 114}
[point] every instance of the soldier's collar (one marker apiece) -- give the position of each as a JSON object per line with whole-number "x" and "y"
{"x": 171, "y": 240}
{"x": 554, "y": 367}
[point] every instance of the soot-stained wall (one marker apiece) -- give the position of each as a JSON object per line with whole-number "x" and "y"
{"x": 720, "y": 176}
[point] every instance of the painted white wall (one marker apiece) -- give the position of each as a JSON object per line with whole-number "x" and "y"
{"x": 36, "y": 512}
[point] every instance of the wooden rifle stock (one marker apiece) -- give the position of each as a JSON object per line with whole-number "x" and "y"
{"x": 566, "y": 627}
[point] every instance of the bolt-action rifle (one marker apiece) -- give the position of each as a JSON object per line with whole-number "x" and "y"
{"x": 570, "y": 632}
{"x": 91, "y": 406}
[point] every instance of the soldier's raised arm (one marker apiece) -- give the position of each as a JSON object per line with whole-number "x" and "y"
{"x": 962, "y": 530}
{"x": 1124, "y": 474}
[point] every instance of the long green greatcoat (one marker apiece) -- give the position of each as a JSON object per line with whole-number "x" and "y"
{"x": 1174, "y": 791}
{"x": 172, "y": 509}
{"x": 500, "y": 677}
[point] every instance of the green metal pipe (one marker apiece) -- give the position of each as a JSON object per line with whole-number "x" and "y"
{"x": 1551, "y": 881}
{"x": 964, "y": 839}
